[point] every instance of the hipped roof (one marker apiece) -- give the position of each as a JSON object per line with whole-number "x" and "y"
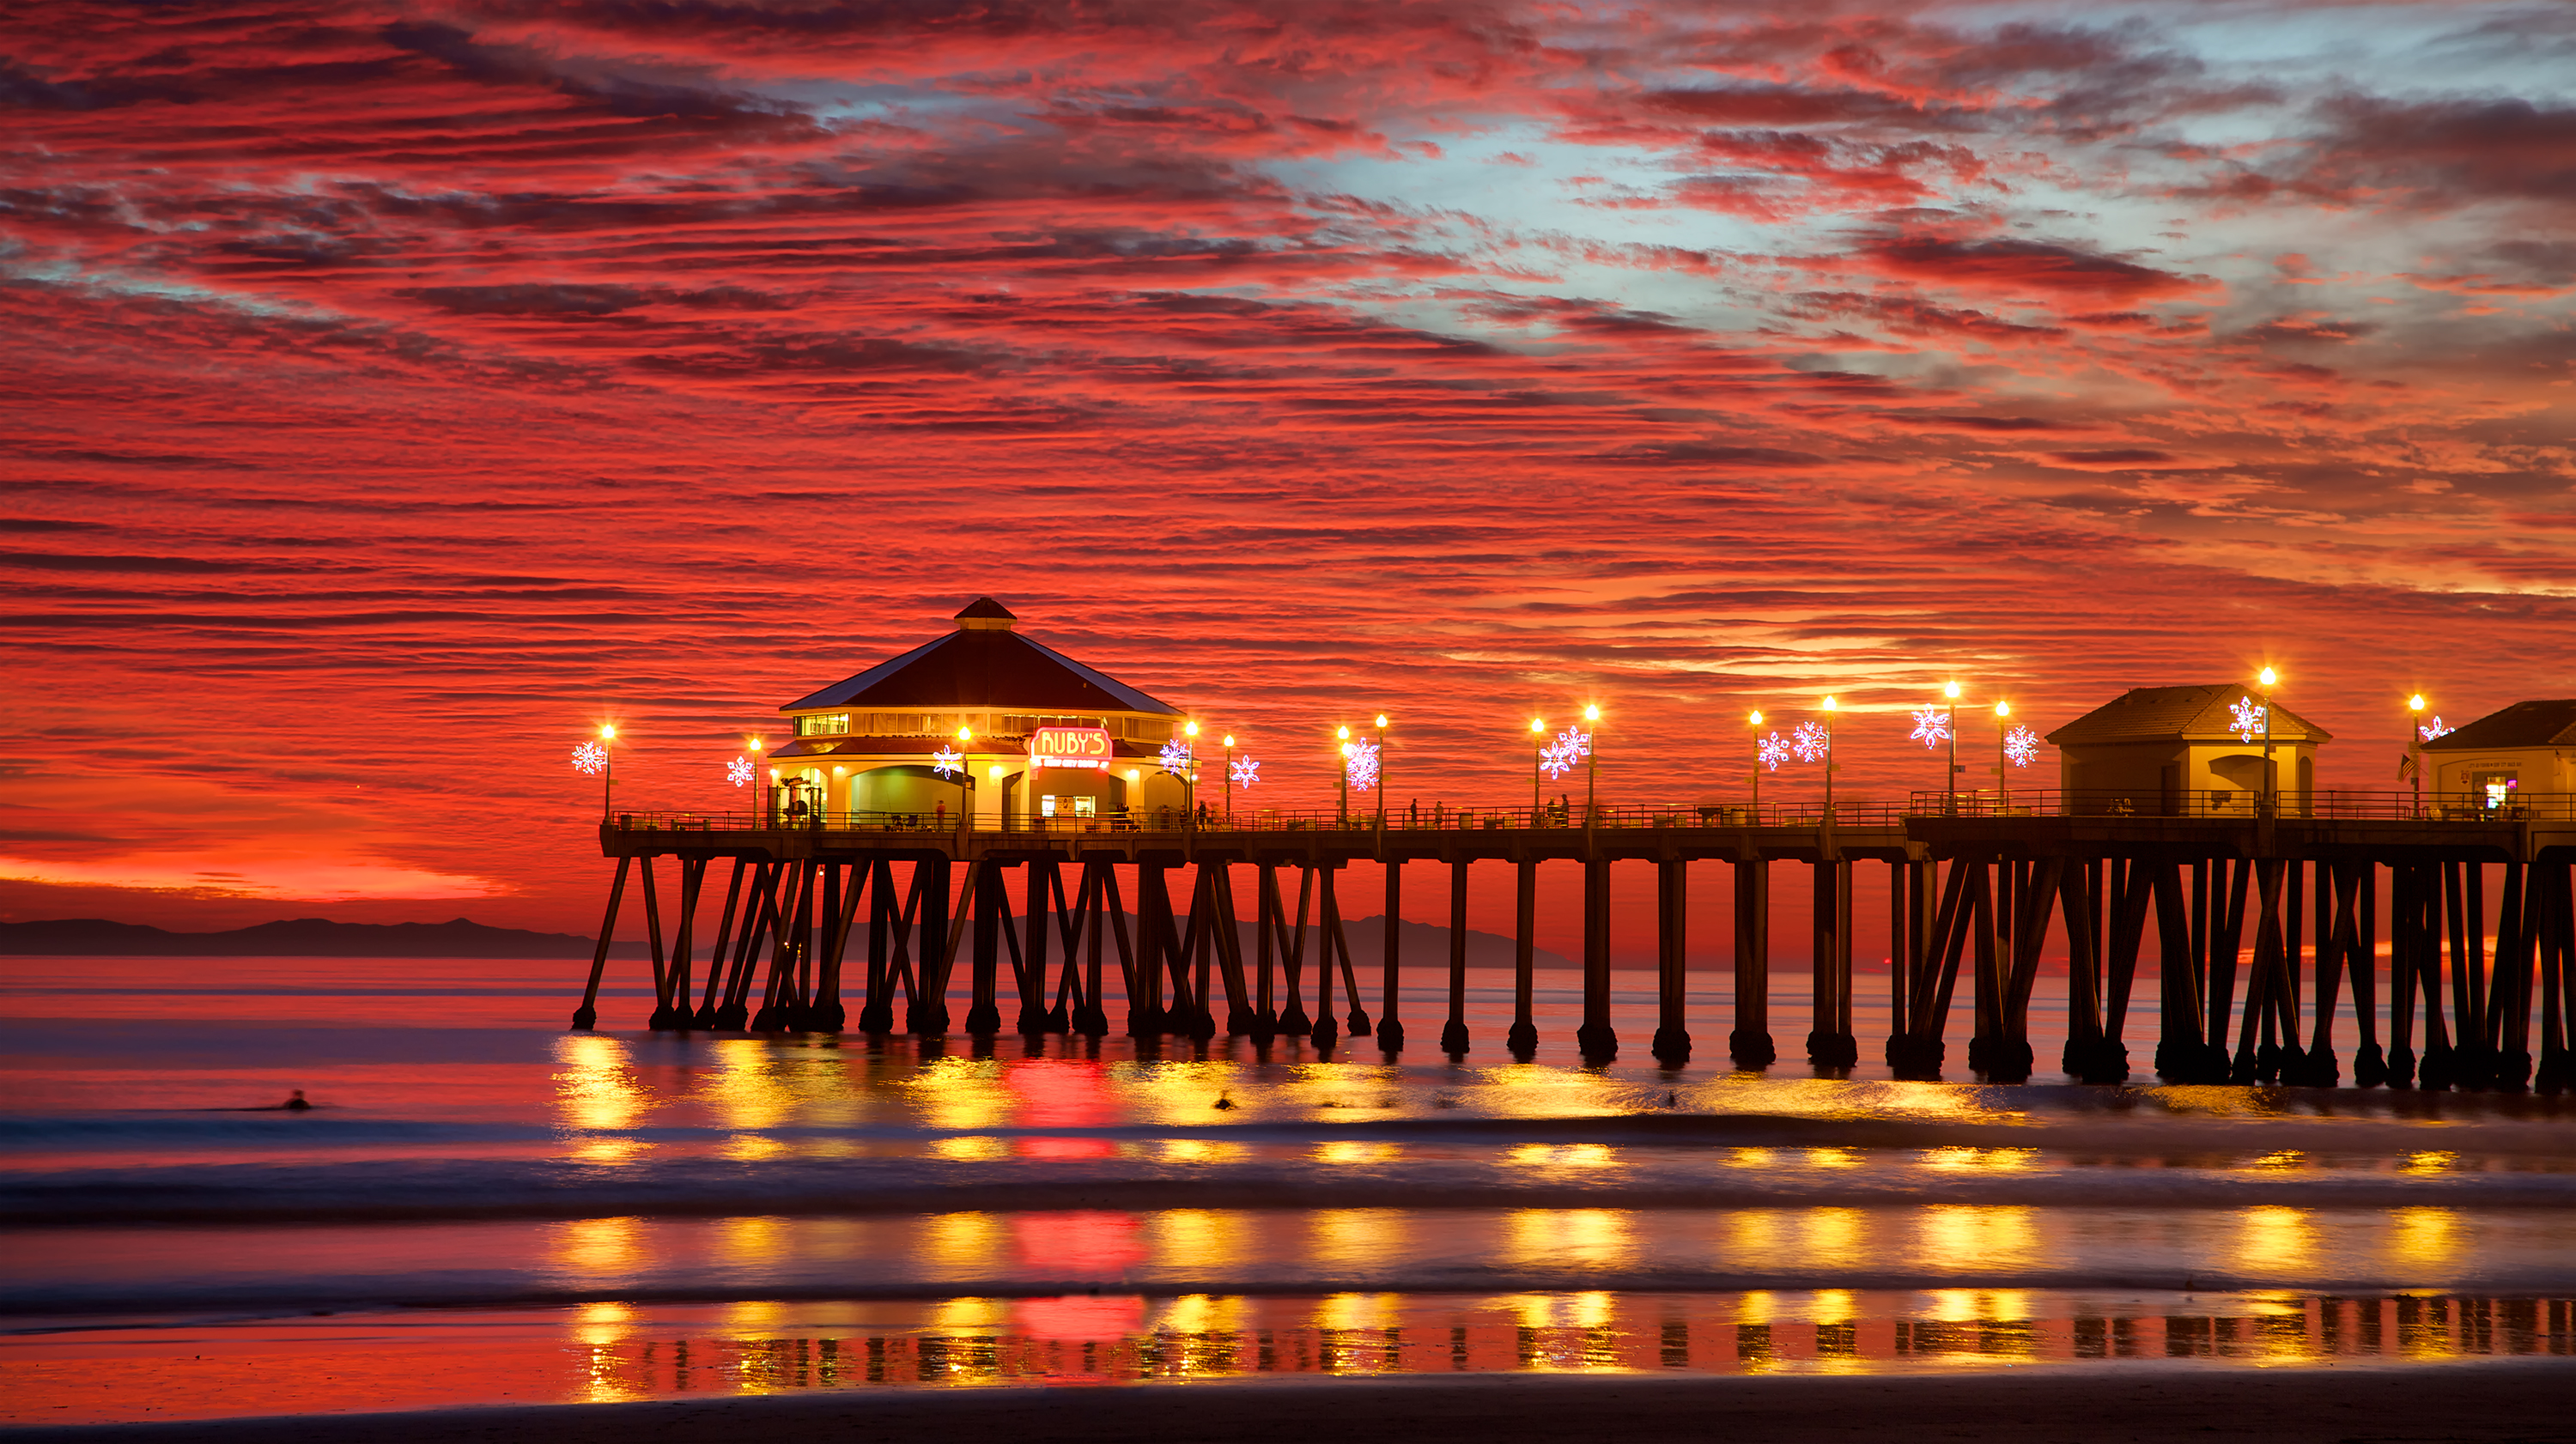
{"x": 2524, "y": 724}
{"x": 2179, "y": 714}
{"x": 985, "y": 667}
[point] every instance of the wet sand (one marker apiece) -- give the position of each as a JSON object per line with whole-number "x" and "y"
{"x": 2520, "y": 1400}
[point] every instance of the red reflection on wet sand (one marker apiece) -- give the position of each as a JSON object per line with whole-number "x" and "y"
{"x": 1079, "y": 1316}
{"x": 1060, "y": 1093}
{"x": 1100, "y": 1242}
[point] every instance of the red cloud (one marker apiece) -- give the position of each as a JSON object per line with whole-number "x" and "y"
{"x": 2008, "y": 266}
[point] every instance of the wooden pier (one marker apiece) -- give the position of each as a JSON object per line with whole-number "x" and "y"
{"x": 2265, "y": 930}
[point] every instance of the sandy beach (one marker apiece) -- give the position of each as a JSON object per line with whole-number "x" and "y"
{"x": 2521, "y": 1400}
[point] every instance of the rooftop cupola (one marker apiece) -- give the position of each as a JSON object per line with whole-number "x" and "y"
{"x": 986, "y": 615}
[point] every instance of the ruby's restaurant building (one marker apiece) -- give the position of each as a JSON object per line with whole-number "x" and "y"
{"x": 982, "y": 722}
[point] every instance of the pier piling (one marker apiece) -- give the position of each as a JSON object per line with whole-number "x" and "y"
{"x": 2236, "y": 922}
{"x": 1453, "y": 1033}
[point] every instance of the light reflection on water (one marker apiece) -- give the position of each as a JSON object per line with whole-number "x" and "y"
{"x": 1191, "y": 1250}
{"x": 613, "y": 1350}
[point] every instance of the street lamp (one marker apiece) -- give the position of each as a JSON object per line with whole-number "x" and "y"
{"x": 1227, "y": 782}
{"x": 608, "y": 770}
{"x": 1829, "y": 761}
{"x": 754, "y": 744}
{"x": 1950, "y": 784}
{"x": 2003, "y": 725}
{"x": 1538, "y": 759}
{"x": 2271, "y": 788}
{"x": 1381, "y": 773}
{"x": 2415, "y": 747}
{"x": 1592, "y": 769}
{"x": 1755, "y": 721}
{"x": 1342, "y": 809}
{"x": 1190, "y": 776}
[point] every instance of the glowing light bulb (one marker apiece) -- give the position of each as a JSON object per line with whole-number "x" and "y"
{"x": 1346, "y": 749}
{"x": 1229, "y": 739}
{"x": 1829, "y": 704}
{"x": 1343, "y": 733}
{"x": 1591, "y": 714}
{"x": 2003, "y": 709}
{"x": 1381, "y": 719}
{"x": 994, "y": 772}
{"x": 1538, "y": 724}
{"x": 2269, "y": 677}
{"x": 608, "y": 732}
{"x": 753, "y": 743}
{"x": 1756, "y": 718}
{"x": 1189, "y": 729}
{"x": 1134, "y": 775}
{"x": 2415, "y": 703}
{"x": 965, "y": 734}
{"x": 1951, "y": 691}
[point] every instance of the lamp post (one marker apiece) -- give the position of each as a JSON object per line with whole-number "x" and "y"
{"x": 1381, "y": 774}
{"x": 608, "y": 769}
{"x": 2415, "y": 747}
{"x": 2003, "y": 793}
{"x": 1190, "y": 777}
{"x": 1755, "y": 720}
{"x": 2271, "y": 788}
{"x": 753, "y": 745}
{"x": 1591, "y": 772}
{"x": 966, "y": 781}
{"x": 1950, "y": 720}
{"x": 1829, "y": 761}
{"x": 1227, "y": 782}
{"x": 1342, "y": 809}
{"x": 1538, "y": 760}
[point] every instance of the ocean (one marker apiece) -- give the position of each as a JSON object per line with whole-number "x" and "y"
{"x": 482, "y": 1207}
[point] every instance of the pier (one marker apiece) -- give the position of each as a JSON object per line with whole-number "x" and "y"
{"x": 2265, "y": 927}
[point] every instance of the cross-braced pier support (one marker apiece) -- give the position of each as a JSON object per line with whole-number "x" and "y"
{"x": 2259, "y": 954}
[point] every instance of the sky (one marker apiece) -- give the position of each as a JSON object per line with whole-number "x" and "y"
{"x": 395, "y": 392}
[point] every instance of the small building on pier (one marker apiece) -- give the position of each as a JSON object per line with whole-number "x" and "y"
{"x": 2525, "y": 750}
{"x": 983, "y": 722}
{"x": 2185, "y": 752}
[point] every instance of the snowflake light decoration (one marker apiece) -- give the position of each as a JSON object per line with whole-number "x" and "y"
{"x": 2435, "y": 730}
{"x": 1811, "y": 742}
{"x": 1361, "y": 766}
{"x": 1772, "y": 751}
{"x": 590, "y": 757}
{"x": 1931, "y": 727}
{"x": 1245, "y": 771}
{"x": 1176, "y": 758}
{"x": 2246, "y": 718}
{"x": 2021, "y": 746}
{"x": 738, "y": 772}
{"x": 1571, "y": 746}
{"x": 947, "y": 761}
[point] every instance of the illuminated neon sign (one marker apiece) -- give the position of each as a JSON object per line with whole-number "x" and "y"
{"x": 1070, "y": 747}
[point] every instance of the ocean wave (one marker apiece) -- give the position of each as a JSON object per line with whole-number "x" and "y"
{"x": 2542, "y": 1141}
{"x": 448, "y": 1188}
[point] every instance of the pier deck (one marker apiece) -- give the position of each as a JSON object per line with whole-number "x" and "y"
{"x": 2286, "y": 905}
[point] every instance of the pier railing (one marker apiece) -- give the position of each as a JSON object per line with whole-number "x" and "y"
{"x": 2231, "y": 803}
{"x": 2219, "y": 804}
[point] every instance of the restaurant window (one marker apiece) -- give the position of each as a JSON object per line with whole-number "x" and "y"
{"x": 832, "y": 724}
{"x": 2494, "y": 789}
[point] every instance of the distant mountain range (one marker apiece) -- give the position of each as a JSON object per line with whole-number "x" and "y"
{"x": 299, "y": 938}
{"x": 1424, "y": 944}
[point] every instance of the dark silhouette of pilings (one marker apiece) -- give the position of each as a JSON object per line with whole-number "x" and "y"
{"x": 2260, "y": 959}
